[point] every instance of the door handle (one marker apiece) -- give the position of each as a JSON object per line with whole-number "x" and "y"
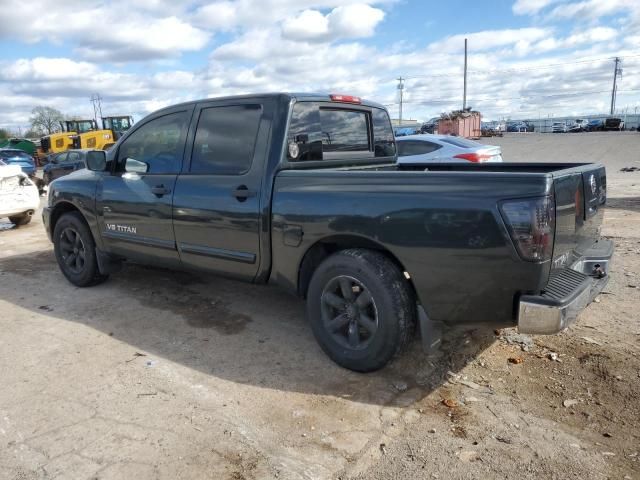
{"x": 242, "y": 193}
{"x": 160, "y": 190}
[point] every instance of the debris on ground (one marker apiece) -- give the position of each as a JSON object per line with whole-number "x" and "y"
{"x": 630, "y": 169}
{"x": 513, "y": 338}
{"x": 469, "y": 384}
{"x": 591, "y": 340}
{"x": 136, "y": 355}
{"x": 516, "y": 360}
{"x": 449, "y": 402}
{"x": 570, "y": 403}
{"x": 553, "y": 356}
{"x": 400, "y": 386}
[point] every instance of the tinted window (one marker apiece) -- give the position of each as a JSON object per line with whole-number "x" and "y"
{"x": 225, "y": 139}
{"x": 414, "y": 147}
{"x": 305, "y": 130}
{"x": 157, "y": 146}
{"x": 61, "y": 157}
{"x": 461, "y": 142}
{"x": 383, "y": 140}
{"x": 344, "y": 130}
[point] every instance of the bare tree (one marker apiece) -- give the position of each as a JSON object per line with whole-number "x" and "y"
{"x": 45, "y": 119}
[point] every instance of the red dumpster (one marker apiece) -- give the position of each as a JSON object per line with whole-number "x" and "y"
{"x": 460, "y": 123}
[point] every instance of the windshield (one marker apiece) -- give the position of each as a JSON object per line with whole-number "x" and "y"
{"x": 461, "y": 142}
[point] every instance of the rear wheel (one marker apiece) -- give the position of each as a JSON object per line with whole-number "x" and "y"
{"x": 361, "y": 309}
{"x": 22, "y": 219}
{"x": 75, "y": 251}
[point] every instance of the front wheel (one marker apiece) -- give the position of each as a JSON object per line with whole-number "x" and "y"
{"x": 75, "y": 251}
{"x": 361, "y": 309}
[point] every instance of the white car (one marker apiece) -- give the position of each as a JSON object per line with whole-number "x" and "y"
{"x": 444, "y": 149}
{"x": 19, "y": 197}
{"x": 559, "y": 127}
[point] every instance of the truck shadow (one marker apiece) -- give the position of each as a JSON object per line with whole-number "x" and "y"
{"x": 248, "y": 334}
{"x": 624, "y": 203}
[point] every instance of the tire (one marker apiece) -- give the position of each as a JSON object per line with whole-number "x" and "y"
{"x": 379, "y": 311}
{"x": 75, "y": 251}
{"x": 20, "y": 220}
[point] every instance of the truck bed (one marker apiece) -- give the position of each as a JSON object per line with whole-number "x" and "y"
{"x": 443, "y": 224}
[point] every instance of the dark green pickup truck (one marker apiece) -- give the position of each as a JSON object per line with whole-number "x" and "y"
{"x": 303, "y": 190}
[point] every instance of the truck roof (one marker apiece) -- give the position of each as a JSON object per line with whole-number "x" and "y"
{"x": 305, "y": 96}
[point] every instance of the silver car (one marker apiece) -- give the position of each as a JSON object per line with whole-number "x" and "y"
{"x": 444, "y": 149}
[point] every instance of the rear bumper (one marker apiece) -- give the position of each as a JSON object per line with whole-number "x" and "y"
{"x": 568, "y": 292}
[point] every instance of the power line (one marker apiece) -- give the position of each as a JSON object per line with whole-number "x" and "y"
{"x": 524, "y": 69}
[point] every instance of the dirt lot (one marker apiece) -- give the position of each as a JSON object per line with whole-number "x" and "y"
{"x": 156, "y": 374}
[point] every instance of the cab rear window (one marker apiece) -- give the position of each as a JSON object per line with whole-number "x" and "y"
{"x": 319, "y": 131}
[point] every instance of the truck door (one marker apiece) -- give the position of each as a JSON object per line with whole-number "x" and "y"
{"x": 134, "y": 203}
{"x": 216, "y": 209}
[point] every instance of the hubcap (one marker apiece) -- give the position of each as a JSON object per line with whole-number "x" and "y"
{"x": 72, "y": 250}
{"x": 349, "y": 312}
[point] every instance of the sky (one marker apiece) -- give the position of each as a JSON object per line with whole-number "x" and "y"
{"x": 527, "y": 58}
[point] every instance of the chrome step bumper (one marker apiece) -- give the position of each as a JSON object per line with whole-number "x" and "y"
{"x": 567, "y": 293}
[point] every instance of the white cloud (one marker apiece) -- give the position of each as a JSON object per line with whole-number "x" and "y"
{"x": 349, "y": 21}
{"x": 529, "y": 7}
{"x": 102, "y": 32}
{"x": 591, "y": 9}
{"x": 490, "y": 39}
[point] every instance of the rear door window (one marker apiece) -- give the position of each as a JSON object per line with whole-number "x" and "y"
{"x": 225, "y": 139}
{"x": 407, "y": 148}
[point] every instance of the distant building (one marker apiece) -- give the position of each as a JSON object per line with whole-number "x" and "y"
{"x": 406, "y": 122}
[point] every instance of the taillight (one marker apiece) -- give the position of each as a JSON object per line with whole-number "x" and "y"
{"x": 531, "y": 224}
{"x": 474, "y": 157}
{"x": 345, "y": 99}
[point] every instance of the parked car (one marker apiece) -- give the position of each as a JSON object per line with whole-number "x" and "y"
{"x": 579, "y": 125}
{"x": 405, "y": 131}
{"x": 519, "y": 127}
{"x": 559, "y": 127}
{"x": 302, "y": 190}
{"x": 19, "y": 197}
{"x": 64, "y": 163}
{"x": 595, "y": 125}
{"x": 20, "y": 158}
{"x": 14, "y": 156}
{"x": 612, "y": 123}
{"x": 430, "y": 125}
{"x": 444, "y": 148}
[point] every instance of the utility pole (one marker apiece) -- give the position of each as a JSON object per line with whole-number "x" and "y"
{"x": 96, "y": 100}
{"x": 400, "y": 88}
{"x": 464, "y": 95}
{"x": 617, "y": 70}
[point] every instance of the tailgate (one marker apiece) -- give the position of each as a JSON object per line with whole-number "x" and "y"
{"x": 580, "y": 194}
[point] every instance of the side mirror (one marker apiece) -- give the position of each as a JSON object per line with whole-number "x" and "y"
{"x": 135, "y": 166}
{"x": 96, "y": 160}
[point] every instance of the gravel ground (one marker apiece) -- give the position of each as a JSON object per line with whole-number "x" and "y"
{"x": 159, "y": 374}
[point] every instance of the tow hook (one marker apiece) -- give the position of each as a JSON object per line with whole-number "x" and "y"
{"x": 598, "y": 272}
